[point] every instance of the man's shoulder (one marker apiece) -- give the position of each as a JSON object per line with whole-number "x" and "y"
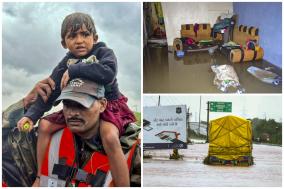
{"x": 127, "y": 140}
{"x": 130, "y": 136}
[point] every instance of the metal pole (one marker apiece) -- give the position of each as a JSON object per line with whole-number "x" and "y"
{"x": 159, "y": 100}
{"x": 208, "y": 108}
{"x": 199, "y": 115}
{"x": 187, "y": 126}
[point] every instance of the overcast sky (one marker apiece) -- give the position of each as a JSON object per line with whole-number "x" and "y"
{"x": 247, "y": 106}
{"x": 31, "y": 45}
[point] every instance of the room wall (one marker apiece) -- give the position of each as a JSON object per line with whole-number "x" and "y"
{"x": 268, "y": 18}
{"x": 176, "y": 14}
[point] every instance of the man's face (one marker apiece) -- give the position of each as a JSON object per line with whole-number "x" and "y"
{"x": 79, "y": 43}
{"x": 80, "y": 120}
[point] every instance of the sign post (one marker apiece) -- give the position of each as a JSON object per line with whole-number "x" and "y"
{"x": 208, "y": 109}
{"x": 220, "y": 106}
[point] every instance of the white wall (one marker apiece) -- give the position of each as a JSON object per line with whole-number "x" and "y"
{"x": 176, "y": 14}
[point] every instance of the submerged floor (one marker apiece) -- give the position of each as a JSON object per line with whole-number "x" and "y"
{"x": 163, "y": 72}
{"x": 191, "y": 172}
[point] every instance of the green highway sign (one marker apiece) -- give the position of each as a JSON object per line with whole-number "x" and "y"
{"x": 220, "y": 106}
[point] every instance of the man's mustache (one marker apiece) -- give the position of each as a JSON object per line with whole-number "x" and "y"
{"x": 74, "y": 119}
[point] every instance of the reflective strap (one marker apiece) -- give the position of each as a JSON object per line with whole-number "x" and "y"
{"x": 108, "y": 180}
{"x": 53, "y": 157}
{"x": 53, "y": 154}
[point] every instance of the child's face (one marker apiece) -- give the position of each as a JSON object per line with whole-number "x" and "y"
{"x": 80, "y": 43}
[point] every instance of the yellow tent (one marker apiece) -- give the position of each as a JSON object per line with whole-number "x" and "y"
{"x": 230, "y": 138}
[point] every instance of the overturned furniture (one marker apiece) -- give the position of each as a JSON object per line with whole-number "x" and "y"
{"x": 230, "y": 142}
{"x": 246, "y": 46}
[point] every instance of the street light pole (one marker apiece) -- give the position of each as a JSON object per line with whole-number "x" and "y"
{"x": 199, "y": 115}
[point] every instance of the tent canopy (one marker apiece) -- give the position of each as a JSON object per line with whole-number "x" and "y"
{"x": 230, "y": 137}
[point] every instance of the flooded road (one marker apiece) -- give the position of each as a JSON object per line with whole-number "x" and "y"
{"x": 159, "y": 171}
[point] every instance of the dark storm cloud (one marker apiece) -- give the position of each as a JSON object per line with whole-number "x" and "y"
{"x": 31, "y": 45}
{"x": 30, "y": 40}
{"x": 127, "y": 17}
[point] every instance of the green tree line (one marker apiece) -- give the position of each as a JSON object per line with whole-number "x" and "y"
{"x": 267, "y": 131}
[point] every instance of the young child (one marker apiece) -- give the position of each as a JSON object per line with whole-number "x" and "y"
{"x": 79, "y": 36}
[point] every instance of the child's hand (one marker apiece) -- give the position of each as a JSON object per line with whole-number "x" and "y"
{"x": 22, "y": 124}
{"x": 65, "y": 79}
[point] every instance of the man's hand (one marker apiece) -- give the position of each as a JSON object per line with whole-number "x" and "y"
{"x": 44, "y": 88}
{"x": 65, "y": 79}
{"x": 30, "y": 98}
{"x": 25, "y": 124}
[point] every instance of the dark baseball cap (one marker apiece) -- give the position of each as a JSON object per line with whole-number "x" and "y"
{"x": 82, "y": 91}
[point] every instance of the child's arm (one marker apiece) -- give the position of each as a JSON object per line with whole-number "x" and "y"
{"x": 39, "y": 107}
{"x": 42, "y": 88}
{"x": 102, "y": 72}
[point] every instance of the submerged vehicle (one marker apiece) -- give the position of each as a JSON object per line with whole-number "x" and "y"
{"x": 230, "y": 142}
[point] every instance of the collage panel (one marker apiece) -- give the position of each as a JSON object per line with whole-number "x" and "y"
{"x": 212, "y": 141}
{"x": 212, "y": 47}
{"x": 191, "y": 139}
{"x": 71, "y": 94}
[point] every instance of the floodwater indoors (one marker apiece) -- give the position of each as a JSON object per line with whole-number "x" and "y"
{"x": 166, "y": 73}
{"x": 191, "y": 172}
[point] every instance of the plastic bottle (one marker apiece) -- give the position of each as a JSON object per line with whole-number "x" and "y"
{"x": 26, "y": 126}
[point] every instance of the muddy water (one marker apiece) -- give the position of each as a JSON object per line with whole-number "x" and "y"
{"x": 160, "y": 171}
{"x": 163, "y": 72}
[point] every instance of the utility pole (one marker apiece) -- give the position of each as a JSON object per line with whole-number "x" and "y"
{"x": 187, "y": 126}
{"x": 208, "y": 109}
{"x": 159, "y": 100}
{"x": 199, "y": 115}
